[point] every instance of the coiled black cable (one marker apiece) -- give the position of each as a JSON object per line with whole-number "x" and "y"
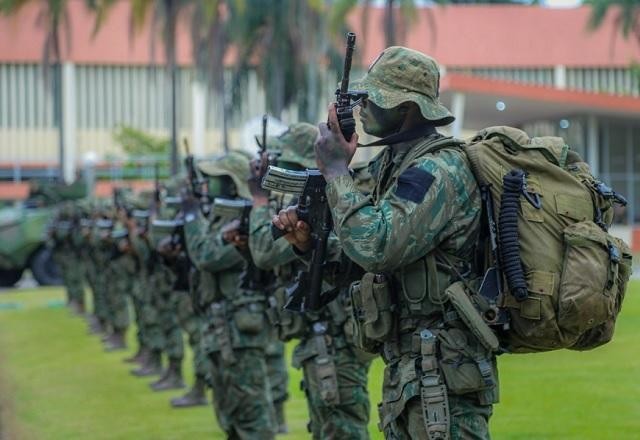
{"x": 512, "y": 188}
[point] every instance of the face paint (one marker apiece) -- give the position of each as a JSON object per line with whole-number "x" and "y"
{"x": 221, "y": 186}
{"x": 380, "y": 122}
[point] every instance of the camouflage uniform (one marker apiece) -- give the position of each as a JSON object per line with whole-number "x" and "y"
{"x": 148, "y": 319}
{"x": 102, "y": 255}
{"x": 235, "y": 333}
{"x": 439, "y": 382}
{"x": 335, "y": 377}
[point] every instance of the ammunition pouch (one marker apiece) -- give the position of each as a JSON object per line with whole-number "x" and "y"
{"x": 219, "y": 324}
{"x": 287, "y": 324}
{"x": 372, "y": 312}
{"x": 317, "y": 356}
{"x": 249, "y": 313}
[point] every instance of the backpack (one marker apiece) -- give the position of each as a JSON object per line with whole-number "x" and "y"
{"x": 553, "y": 276}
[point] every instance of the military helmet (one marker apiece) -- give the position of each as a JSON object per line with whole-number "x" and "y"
{"x": 399, "y": 75}
{"x": 296, "y": 144}
{"x": 234, "y": 164}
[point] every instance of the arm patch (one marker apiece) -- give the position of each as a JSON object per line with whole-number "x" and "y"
{"x": 413, "y": 184}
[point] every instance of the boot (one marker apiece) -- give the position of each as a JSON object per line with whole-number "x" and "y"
{"x": 171, "y": 379}
{"x": 76, "y": 307}
{"x": 194, "y": 397}
{"x": 139, "y": 357}
{"x": 95, "y": 327}
{"x": 152, "y": 365}
{"x": 282, "y": 423}
{"x": 116, "y": 341}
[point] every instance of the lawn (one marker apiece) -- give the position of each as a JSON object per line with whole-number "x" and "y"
{"x": 56, "y": 382}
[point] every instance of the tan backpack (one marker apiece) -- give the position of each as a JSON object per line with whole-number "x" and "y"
{"x": 555, "y": 278}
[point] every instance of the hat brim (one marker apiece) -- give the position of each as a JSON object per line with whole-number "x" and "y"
{"x": 211, "y": 169}
{"x": 385, "y": 97}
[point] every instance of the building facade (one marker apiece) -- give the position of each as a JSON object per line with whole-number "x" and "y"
{"x": 535, "y": 68}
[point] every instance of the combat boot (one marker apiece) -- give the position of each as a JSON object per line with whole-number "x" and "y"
{"x": 282, "y": 423}
{"x": 95, "y": 327}
{"x": 152, "y": 365}
{"x": 139, "y": 357}
{"x": 171, "y": 379}
{"x": 116, "y": 341}
{"x": 196, "y": 396}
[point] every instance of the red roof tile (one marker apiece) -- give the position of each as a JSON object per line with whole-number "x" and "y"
{"x": 464, "y": 35}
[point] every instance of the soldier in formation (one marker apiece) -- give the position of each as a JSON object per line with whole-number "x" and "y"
{"x": 221, "y": 259}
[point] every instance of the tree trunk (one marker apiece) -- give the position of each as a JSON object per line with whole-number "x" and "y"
{"x": 389, "y": 24}
{"x": 170, "y": 48}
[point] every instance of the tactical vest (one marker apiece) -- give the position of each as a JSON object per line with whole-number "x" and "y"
{"x": 388, "y": 305}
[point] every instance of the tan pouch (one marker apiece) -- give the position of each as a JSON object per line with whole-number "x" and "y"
{"x": 371, "y": 311}
{"x": 466, "y": 365}
{"x": 249, "y": 317}
{"x": 471, "y": 317}
{"x": 597, "y": 267}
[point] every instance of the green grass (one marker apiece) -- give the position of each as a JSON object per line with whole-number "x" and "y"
{"x": 56, "y": 382}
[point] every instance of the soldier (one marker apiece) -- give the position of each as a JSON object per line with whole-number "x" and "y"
{"x": 164, "y": 284}
{"x": 335, "y": 376}
{"x": 413, "y": 235}
{"x": 235, "y": 333}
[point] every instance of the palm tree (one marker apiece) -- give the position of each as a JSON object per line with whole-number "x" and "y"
{"x": 54, "y": 16}
{"x": 289, "y": 44}
{"x": 626, "y": 15}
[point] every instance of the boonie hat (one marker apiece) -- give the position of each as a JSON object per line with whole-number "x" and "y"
{"x": 399, "y": 75}
{"x": 234, "y": 164}
{"x": 296, "y": 144}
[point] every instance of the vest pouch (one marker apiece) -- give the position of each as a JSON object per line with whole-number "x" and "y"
{"x": 288, "y": 324}
{"x": 590, "y": 299}
{"x": 249, "y": 315}
{"x": 371, "y": 311}
{"x": 466, "y": 364}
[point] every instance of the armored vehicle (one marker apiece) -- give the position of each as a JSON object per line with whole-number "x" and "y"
{"x": 23, "y": 231}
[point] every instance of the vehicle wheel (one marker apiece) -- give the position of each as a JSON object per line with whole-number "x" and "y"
{"x": 8, "y": 277}
{"x": 44, "y": 269}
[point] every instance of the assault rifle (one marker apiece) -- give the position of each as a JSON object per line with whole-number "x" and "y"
{"x": 141, "y": 217}
{"x": 312, "y": 209}
{"x": 252, "y": 278}
{"x": 180, "y": 263}
{"x": 347, "y": 99}
{"x": 233, "y": 209}
{"x": 198, "y": 185}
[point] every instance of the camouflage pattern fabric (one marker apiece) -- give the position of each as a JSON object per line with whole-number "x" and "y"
{"x": 469, "y": 421}
{"x": 234, "y": 164}
{"x": 349, "y": 418}
{"x": 296, "y": 144}
{"x": 241, "y": 395}
{"x": 191, "y": 323}
{"x": 165, "y": 302}
{"x": 118, "y": 277}
{"x": 146, "y": 313}
{"x": 102, "y": 254}
{"x": 425, "y": 203}
{"x": 388, "y": 232}
{"x": 399, "y": 75}
{"x": 277, "y": 371}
